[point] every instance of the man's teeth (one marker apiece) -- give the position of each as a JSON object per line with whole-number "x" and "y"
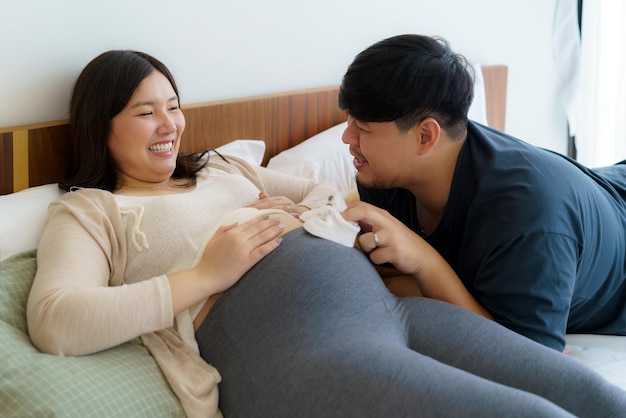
{"x": 162, "y": 147}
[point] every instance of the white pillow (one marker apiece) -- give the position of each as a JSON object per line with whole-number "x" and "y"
{"x": 251, "y": 150}
{"x": 321, "y": 157}
{"x": 22, "y": 214}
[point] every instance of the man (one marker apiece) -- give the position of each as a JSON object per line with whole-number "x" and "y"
{"x": 537, "y": 240}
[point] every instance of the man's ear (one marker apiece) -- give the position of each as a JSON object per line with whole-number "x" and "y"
{"x": 428, "y": 132}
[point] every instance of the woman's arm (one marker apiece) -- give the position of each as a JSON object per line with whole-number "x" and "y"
{"x": 305, "y": 193}
{"x": 72, "y": 310}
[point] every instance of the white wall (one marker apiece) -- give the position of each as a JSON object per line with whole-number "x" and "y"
{"x": 224, "y": 49}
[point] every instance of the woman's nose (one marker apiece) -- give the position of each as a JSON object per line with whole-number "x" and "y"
{"x": 167, "y": 124}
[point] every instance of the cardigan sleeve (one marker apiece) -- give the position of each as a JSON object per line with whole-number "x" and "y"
{"x": 303, "y": 191}
{"x": 74, "y": 306}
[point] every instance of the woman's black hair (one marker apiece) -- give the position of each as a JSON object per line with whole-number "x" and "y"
{"x": 102, "y": 90}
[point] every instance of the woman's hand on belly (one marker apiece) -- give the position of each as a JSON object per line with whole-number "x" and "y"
{"x": 278, "y": 202}
{"x": 288, "y": 222}
{"x": 228, "y": 255}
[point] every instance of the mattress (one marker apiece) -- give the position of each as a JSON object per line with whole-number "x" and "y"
{"x": 604, "y": 353}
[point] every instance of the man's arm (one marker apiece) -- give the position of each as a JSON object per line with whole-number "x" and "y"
{"x": 398, "y": 283}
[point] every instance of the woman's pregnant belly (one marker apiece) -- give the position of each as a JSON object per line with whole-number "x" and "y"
{"x": 241, "y": 215}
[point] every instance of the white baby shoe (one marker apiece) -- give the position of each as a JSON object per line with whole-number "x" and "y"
{"x": 326, "y": 222}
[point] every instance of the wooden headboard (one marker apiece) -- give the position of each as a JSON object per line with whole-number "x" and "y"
{"x": 37, "y": 154}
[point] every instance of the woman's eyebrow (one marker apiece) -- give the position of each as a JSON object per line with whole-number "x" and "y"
{"x": 151, "y": 102}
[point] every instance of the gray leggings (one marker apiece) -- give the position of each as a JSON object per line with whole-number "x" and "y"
{"x": 311, "y": 331}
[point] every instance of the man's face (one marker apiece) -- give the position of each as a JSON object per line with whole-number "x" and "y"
{"x": 380, "y": 152}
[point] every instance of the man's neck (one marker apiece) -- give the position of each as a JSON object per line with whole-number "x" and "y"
{"x": 432, "y": 189}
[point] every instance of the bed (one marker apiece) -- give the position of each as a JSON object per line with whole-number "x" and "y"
{"x": 297, "y": 132}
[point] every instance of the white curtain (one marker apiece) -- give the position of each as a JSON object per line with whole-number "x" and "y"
{"x": 566, "y": 48}
{"x": 601, "y": 101}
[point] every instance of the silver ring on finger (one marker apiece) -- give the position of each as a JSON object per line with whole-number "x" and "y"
{"x": 376, "y": 241}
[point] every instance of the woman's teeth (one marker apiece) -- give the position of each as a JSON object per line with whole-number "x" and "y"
{"x": 162, "y": 147}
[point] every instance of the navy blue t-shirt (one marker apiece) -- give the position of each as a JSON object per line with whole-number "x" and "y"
{"x": 538, "y": 239}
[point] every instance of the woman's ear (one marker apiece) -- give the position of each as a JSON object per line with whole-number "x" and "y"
{"x": 428, "y": 132}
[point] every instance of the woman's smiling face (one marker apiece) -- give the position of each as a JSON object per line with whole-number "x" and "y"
{"x": 145, "y": 136}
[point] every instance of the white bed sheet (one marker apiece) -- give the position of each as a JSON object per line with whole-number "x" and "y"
{"x": 604, "y": 353}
